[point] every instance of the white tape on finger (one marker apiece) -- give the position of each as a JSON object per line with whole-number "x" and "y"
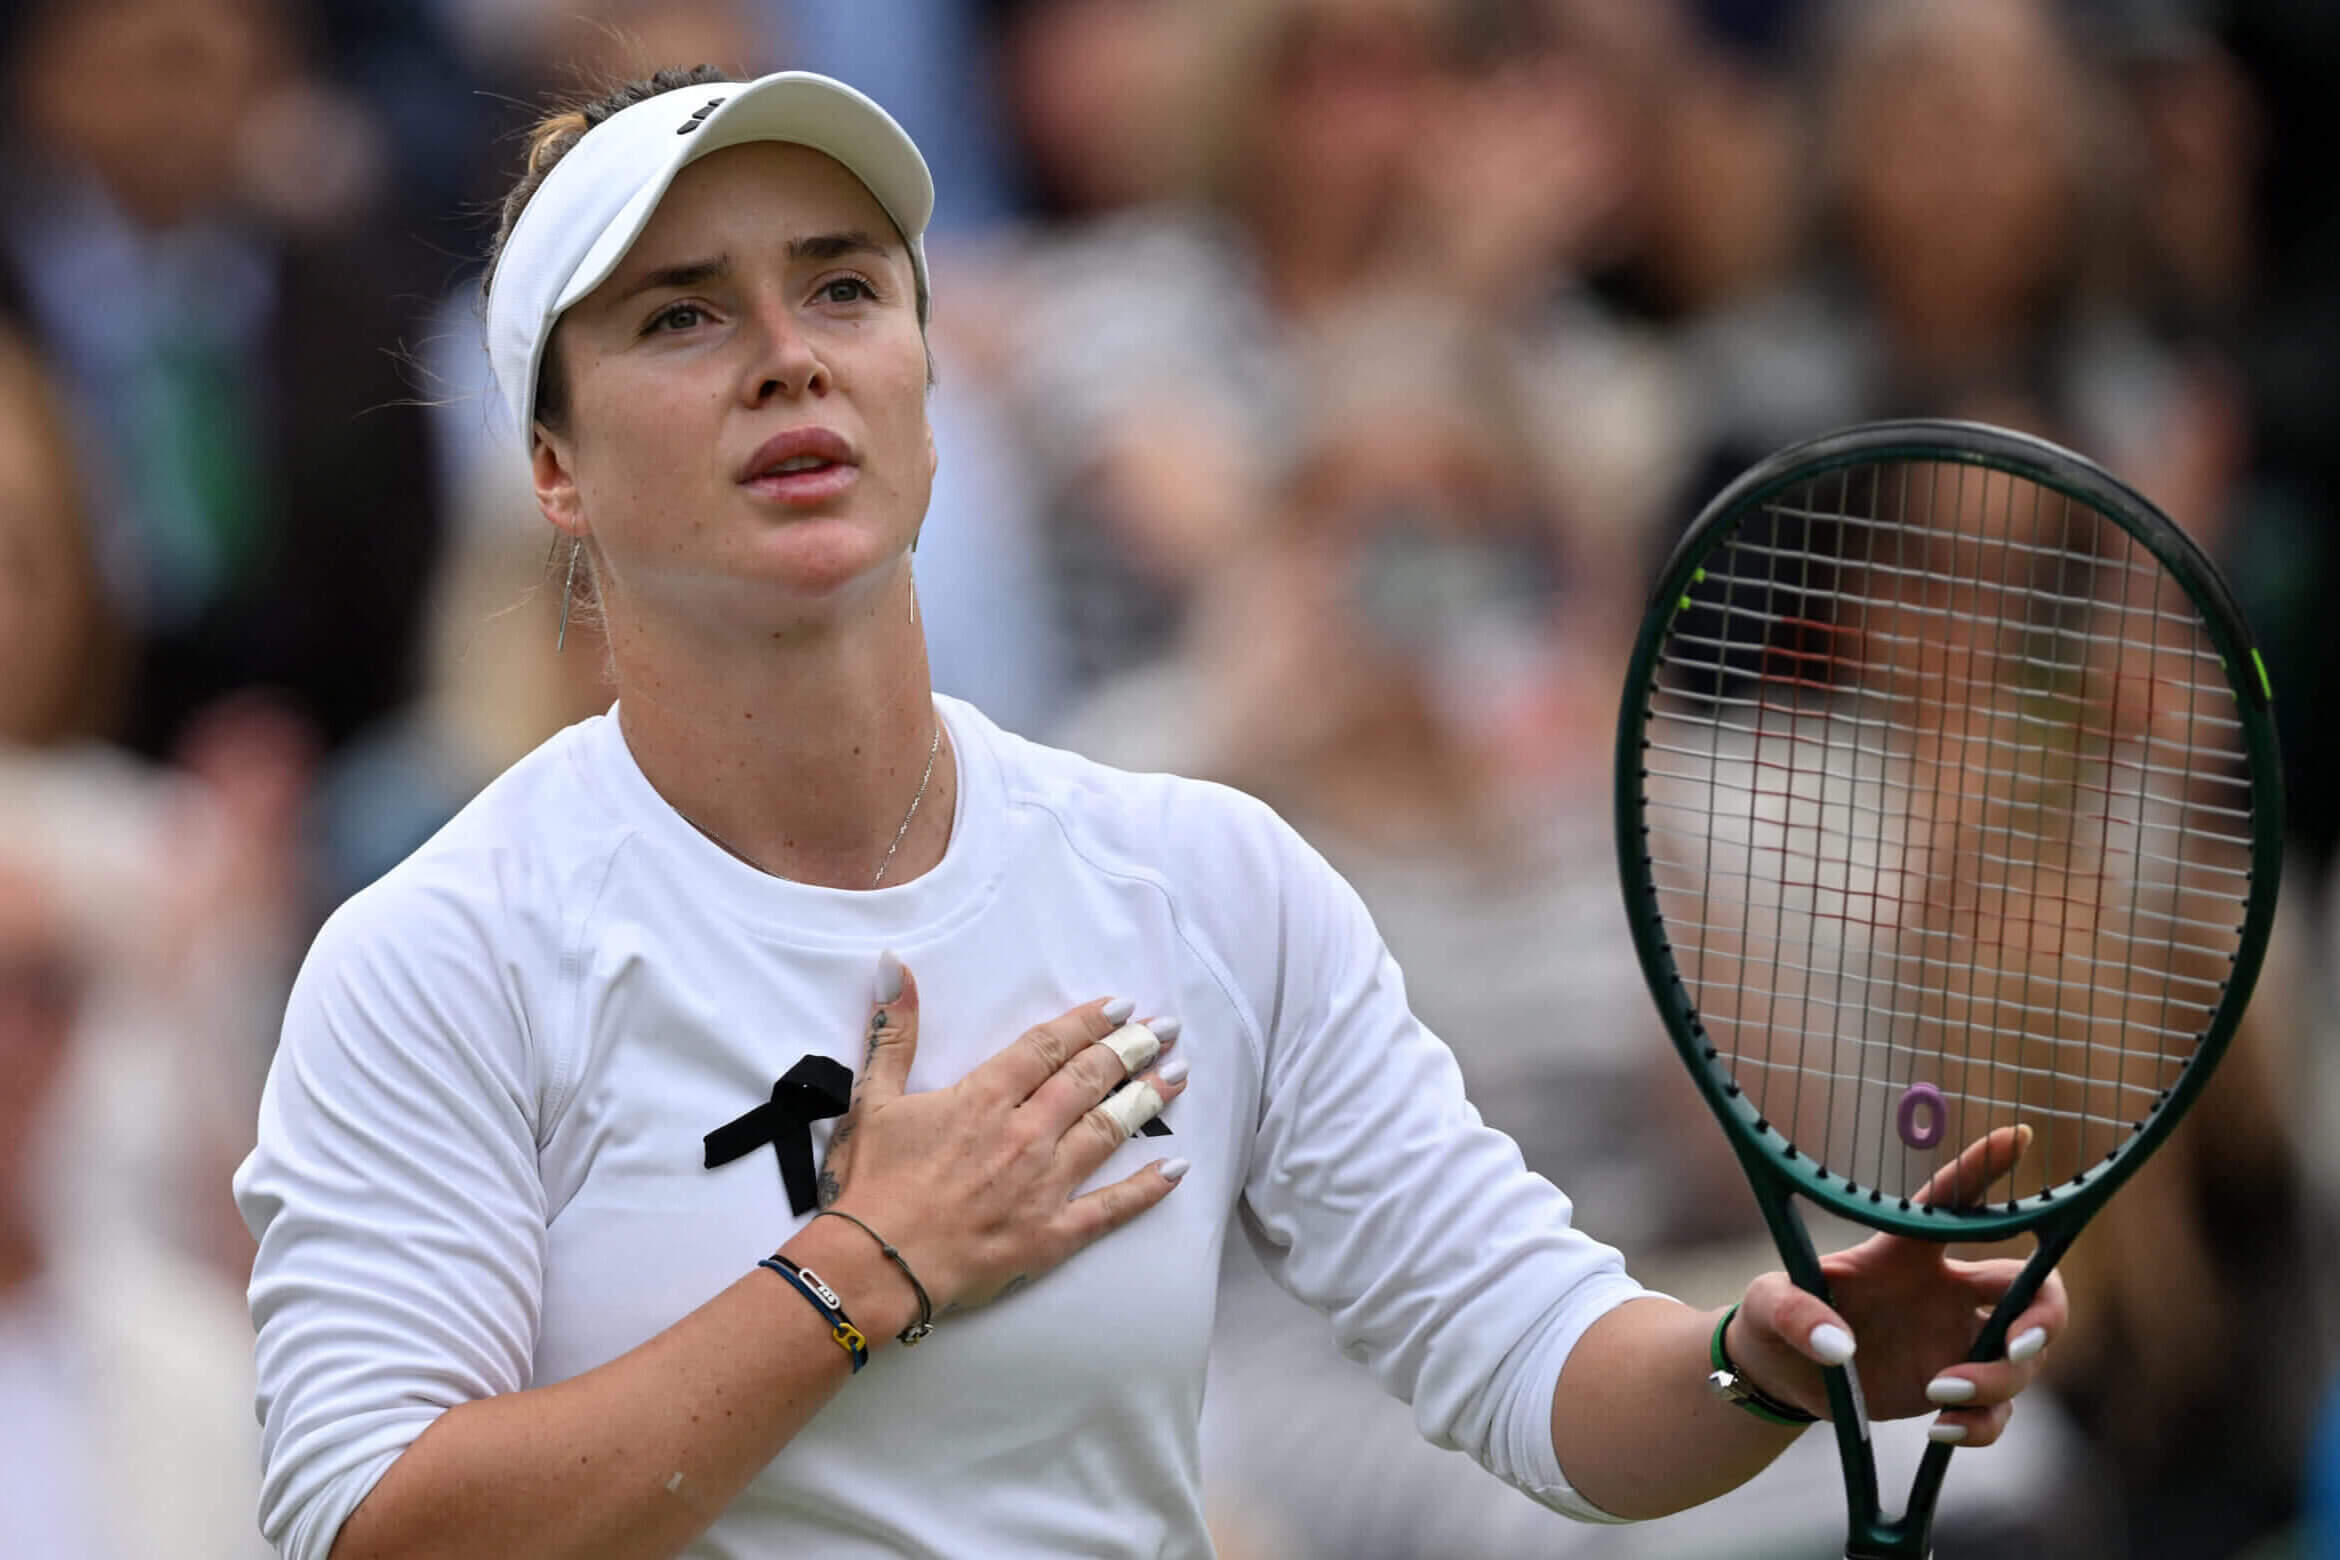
{"x": 1133, "y": 1107}
{"x": 1135, "y": 1044}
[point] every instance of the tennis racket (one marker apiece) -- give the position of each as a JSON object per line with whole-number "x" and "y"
{"x": 1947, "y": 801}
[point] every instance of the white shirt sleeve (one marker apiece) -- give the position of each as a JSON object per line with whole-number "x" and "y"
{"x": 1377, "y": 1195}
{"x": 396, "y": 1199}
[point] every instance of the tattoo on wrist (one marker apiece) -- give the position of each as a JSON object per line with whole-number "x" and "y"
{"x": 829, "y": 1188}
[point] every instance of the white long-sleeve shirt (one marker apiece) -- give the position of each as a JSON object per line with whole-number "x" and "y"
{"x": 479, "y": 1165}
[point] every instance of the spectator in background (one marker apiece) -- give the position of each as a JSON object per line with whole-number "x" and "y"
{"x": 1521, "y": 180}
{"x": 1981, "y": 194}
{"x": 1312, "y": 151}
{"x": 2200, "y": 142}
{"x": 1145, "y": 355}
{"x": 1700, "y": 267}
{"x": 60, "y": 651}
{"x": 1521, "y": 167}
{"x": 1967, "y": 191}
{"x": 1096, "y": 95}
{"x": 210, "y": 854}
{"x": 1973, "y": 224}
{"x": 264, "y": 515}
{"x": 125, "y": 1372}
{"x": 1713, "y": 207}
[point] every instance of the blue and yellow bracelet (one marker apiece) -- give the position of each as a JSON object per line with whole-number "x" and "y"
{"x": 824, "y": 1300}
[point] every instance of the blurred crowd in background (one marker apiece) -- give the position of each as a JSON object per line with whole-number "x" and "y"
{"x": 1321, "y": 383}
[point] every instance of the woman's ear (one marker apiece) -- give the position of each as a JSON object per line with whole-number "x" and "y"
{"x": 556, "y": 483}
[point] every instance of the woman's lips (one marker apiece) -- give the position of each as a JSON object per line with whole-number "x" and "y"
{"x": 828, "y": 467}
{"x": 817, "y": 485}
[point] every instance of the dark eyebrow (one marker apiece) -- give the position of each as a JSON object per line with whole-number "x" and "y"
{"x": 819, "y": 247}
{"x": 691, "y": 273}
{"x": 834, "y": 246}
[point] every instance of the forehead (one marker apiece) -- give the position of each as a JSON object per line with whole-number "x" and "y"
{"x": 760, "y": 189}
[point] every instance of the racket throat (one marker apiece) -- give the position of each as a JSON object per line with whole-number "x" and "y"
{"x": 1871, "y": 1534}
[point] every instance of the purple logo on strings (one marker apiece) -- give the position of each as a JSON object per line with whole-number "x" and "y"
{"x": 1922, "y": 1100}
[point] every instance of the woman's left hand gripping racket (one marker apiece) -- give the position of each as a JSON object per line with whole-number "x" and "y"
{"x": 1947, "y": 802}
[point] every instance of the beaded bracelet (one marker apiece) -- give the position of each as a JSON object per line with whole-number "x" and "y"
{"x": 824, "y": 1300}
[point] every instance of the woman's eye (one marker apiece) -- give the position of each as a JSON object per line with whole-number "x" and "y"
{"x": 846, "y": 289}
{"x": 679, "y": 316}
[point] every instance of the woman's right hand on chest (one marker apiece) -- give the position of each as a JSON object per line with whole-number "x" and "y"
{"x": 973, "y": 1184}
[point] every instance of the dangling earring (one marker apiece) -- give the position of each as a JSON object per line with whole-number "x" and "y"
{"x": 912, "y": 572}
{"x": 568, "y": 589}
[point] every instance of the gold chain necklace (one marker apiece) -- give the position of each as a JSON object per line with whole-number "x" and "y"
{"x": 933, "y": 748}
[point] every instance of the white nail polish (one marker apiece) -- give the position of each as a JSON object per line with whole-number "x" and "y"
{"x": 889, "y": 976}
{"x": 1118, "y": 1010}
{"x": 1832, "y": 1343}
{"x": 1165, "y": 1029}
{"x": 1949, "y": 1389}
{"x": 1175, "y": 1170}
{"x": 1173, "y": 1071}
{"x": 1946, "y": 1435}
{"x": 2027, "y": 1343}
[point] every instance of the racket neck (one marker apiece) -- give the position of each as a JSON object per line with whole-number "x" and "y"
{"x": 1872, "y": 1534}
{"x": 1847, "y": 1413}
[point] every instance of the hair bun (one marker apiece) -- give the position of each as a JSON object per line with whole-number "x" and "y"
{"x": 550, "y": 141}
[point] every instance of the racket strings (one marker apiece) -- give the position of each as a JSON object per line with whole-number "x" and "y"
{"x": 1884, "y": 722}
{"x": 1873, "y": 998}
{"x": 1950, "y": 823}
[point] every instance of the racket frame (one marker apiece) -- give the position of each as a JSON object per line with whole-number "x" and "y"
{"x": 1776, "y": 1171}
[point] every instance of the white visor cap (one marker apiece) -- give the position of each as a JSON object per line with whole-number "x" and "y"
{"x": 600, "y": 196}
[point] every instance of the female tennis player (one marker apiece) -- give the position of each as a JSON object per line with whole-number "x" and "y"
{"x": 529, "y": 1282}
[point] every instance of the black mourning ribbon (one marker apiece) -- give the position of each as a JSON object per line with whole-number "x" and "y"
{"x": 815, "y": 1089}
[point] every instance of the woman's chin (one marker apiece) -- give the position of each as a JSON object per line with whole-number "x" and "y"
{"x": 841, "y": 578}
{"x": 816, "y": 572}
{"x": 774, "y": 578}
